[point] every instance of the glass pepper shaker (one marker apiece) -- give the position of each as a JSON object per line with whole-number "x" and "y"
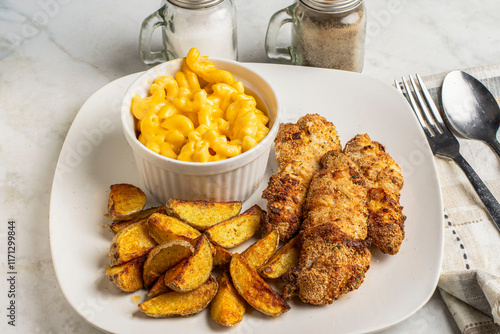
{"x": 325, "y": 33}
{"x": 208, "y": 25}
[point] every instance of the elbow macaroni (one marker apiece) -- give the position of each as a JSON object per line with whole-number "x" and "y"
{"x": 201, "y": 115}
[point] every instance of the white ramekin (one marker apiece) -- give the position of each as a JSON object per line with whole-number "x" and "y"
{"x": 233, "y": 179}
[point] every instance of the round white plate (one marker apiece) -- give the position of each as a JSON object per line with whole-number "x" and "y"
{"x": 96, "y": 155}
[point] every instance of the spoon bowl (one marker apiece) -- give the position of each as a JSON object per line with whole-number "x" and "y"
{"x": 470, "y": 108}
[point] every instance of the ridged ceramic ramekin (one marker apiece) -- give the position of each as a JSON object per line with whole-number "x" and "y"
{"x": 233, "y": 179}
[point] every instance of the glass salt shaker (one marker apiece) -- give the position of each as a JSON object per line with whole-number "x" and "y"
{"x": 325, "y": 33}
{"x": 208, "y": 25}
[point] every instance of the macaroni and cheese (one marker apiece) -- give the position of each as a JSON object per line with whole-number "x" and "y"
{"x": 201, "y": 115}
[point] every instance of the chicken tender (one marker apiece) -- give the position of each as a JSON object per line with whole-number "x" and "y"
{"x": 331, "y": 264}
{"x": 337, "y": 194}
{"x": 299, "y": 148}
{"x": 384, "y": 180}
{"x": 334, "y": 256}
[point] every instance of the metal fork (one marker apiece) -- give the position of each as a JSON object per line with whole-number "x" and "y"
{"x": 442, "y": 142}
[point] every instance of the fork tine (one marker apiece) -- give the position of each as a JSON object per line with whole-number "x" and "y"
{"x": 423, "y": 105}
{"x": 398, "y": 86}
{"x": 431, "y": 103}
{"x": 415, "y": 108}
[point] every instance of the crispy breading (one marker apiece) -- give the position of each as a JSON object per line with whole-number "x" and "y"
{"x": 385, "y": 221}
{"x": 331, "y": 264}
{"x": 378, "y": 167}
{"x": 334, "y": 256}
{"x": 299, "y": 148}
{"x": 337, "y": 193}
{"x": 384, "y": 180}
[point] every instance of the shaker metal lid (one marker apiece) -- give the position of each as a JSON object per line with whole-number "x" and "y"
{"x": 334, "y": 6}
{"x": 195, "y": 4}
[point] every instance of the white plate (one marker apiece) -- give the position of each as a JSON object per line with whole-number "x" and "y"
{"x": 96, "y": 155}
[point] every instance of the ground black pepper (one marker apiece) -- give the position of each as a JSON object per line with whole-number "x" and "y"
{"x": 329, "y": 39}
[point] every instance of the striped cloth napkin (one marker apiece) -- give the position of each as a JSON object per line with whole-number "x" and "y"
{"x": 470, "y": 272}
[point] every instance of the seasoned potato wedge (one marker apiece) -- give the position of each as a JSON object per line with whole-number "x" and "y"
{"x": 254, "y": 289}
{"x": 118, "y": 226}
{"x": 165, "y": 228}
{"x": 131, "y": 243}
{"x": 171, "y": 274}
{"x": 163, "y": 257}
{"x": 144, "y": 214}
{"x": 234, "y": 231}
{"x": 202, "y": 214}
{"x": 285, "y": 258}
{"x": 125, "y": 202}
{"x": 228, "y": 307}
{"x": 159, "y": 288}
{"x": 222, "y": 256}
{"x": 261, "y": 251}
{"x": 128, "y": 276}
{"x": 174, "y": 304}
{"x": 196, "y": 270}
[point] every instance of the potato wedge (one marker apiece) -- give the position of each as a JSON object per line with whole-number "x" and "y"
{"x": 222, "y": 256}
{"x": 131, "y": 243}
{"x": 202, "y": 214}
{"x": 261, "y": 251}
{"x": 285, "y": 258}
{"x": 125, "y": 202}
{"x": 196, "y": 270}
{"x": 128, "y": 276}
{"x": 228, "y": 307}
{"x": 159, "y": 288}
{"x": 144, "y": 214}
{"x": 118, "y": 226}
{"x": 234, "y": 231}
{"x": 174, "y": 304}
{"x": 164, "y": 256}
{"x": 254, "y": 289}
{"x": 165, "y": 228}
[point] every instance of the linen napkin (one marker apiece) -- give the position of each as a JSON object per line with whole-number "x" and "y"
{"x": 470, "y": 274}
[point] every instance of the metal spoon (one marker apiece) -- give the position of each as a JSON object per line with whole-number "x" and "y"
{"x": 471, "y": 109}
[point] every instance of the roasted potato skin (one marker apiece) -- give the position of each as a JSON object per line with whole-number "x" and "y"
{"x": 228, "y": 307}
{"x": 131, "y": 243}
{"x": 181, "y": 304}
{"x": 254, "y": 289}
{"x": 128, "y": 276}
{"x": 125, "y": 202}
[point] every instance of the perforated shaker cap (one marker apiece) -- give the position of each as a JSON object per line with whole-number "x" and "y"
{"x": 334, "y": 6}
{"x": 195, "y": 4}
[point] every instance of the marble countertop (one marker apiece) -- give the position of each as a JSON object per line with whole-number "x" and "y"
{"x": 55, "y": 53}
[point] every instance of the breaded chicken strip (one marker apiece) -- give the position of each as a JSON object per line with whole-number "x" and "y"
{"x": 384, "y": 181}
{"x": 337, "y": 195}
{"x": 331, "y": 264}
{"x": 299, "y": 148}
{"x": 334, "y": 256}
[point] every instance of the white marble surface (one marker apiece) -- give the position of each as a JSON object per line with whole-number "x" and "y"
{"x": 54, "y": 54}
